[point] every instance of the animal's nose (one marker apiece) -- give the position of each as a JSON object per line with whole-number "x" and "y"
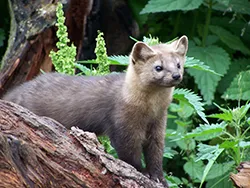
{"x": 176, "y": 76}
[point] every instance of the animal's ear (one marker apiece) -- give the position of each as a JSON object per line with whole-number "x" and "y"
{"x": 181, "y": 45}
{"x": 141, "y": 52}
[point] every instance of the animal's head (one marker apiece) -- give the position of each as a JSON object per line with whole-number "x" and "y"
{"x": 162, "y": 64}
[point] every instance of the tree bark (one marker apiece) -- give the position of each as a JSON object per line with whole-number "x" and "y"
{"x": 242, "y": 178}
{"x": 33, "y": 34}
{"x": 39, "y": 152}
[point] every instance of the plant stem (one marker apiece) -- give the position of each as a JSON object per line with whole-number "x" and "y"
{"x": 208, "y": 18}
{"x": 195, "y": 16}
{"x": 177, "y": 24}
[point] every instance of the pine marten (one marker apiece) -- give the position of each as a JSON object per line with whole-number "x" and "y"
{"x": 130, "y": 108}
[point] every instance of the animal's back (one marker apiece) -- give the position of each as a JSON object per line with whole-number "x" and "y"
{"x": 86, "y": 102}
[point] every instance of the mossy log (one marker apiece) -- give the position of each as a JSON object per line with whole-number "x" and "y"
{"x": 39, "y": 152}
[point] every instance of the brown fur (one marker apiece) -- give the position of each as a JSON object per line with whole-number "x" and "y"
{"x": 130, "y": 108}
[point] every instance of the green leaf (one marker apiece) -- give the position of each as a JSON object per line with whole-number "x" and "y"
{"x": 83, "y": 69}
{"x": 119, "y": 60}
{"x": 220, "y": 182}
{"x": 206, "y": 132}
{"x": 197, "y": 64}
{"x": 229, "y": 144}
{"x": 185, "y": 95}
{"x": 210, "y": 153}
{"x": 170, "y": 5}
{"x": 220, "y": 169}
{"x": 194, "y": 169}
{"x": 188, "y": 144}
{"x": 239, "y": 6}
{"x": 235, "y": 68}
{"x": 232, "y": 41}
{"x": 244, "y": 144}
{"x": 151, "y": 40}
{"x": 239, "y": 88}
{"x": 136, "y": 7}
{"x": 240, "y": 112}
{"x": 218, "y": 60}
{"x": 169, "y": 153}
{"x": 226, "y": 116}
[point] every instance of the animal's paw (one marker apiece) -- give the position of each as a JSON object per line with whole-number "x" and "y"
{"x": 160, "y": 180}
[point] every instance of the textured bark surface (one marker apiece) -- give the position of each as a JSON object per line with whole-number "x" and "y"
{"x": 242, "y": 178}
{"x": 39, "y": 152}
{"x": 33, "y": 34}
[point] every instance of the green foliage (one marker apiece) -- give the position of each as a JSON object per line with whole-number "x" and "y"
{"x": 191, "y": 62}
{"x": 192, "y": 99}
{"x": 107, "y": 145}
{"x": 206, "y": 81}
{"x": 169, "y": 5}
{"x": 119, "y": 60}
{"x": 102, "y": 59}
{"x": 218, "y": 67}
{"x": 218, "y": 70}
{"x": 210, "y": 153}
{"x": 101, "y": 55}
{"x": 239, "y": 88}
{"x": 64, "y": 58}
{"x": 206, "y": 132}
{"x": 232, "y": 41}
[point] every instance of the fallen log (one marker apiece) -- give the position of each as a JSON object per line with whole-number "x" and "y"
{"x": 39, "y": 152}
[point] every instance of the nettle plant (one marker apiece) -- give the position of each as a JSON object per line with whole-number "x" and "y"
{"x": 205, "y": 152}
{"x": 218, "y": 34}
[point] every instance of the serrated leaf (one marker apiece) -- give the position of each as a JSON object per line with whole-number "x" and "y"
{"x": 239, "y": 88}
{"x": 169, "y": 153}
{"x": 83, "y": 69}
{"x": 170, "y": 5}
{"x": 244, "y": 144}
{"x": 151, "y": 40}
{"x": 207, "y": 152}
{"x": 193, "y": 99}
{"x": 232, "y": 41}
{"x": 197, "y": 64}
{"x": 242, "y": 6}
{"x": 194, "y": 169}
{"x": 219, "y": 169}
{"x": 210, "y": 153}
{"x": 235, "y": 68}
{"x": 240, "y": 112}
{"x": 226, "y": 116}
{"x": 119, "y": 60}
{"x": 185, "y": 145}
{"x": 218, "y": 60}
{"x": 206, "y": 132}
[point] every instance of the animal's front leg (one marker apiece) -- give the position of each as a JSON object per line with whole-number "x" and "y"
{"x": 153, "y": 152}
{"x": 129, "y": 149}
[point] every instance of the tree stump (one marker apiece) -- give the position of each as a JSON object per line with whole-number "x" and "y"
{"x": 39, "y": 152}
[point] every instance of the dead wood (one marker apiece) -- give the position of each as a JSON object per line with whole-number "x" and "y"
{"x": 39, "y": 152}
{"x": 33, "y": 34}
{"x": 242, "y": 178}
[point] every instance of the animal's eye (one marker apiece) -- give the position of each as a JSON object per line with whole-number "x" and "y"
{"x": 158, "y": 68}
{"x": 178, "y": 65}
